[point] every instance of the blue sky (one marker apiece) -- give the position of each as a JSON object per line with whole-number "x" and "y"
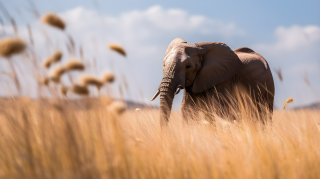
{"x": 286, "y": 33}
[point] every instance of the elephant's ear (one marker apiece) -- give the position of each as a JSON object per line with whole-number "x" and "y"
{"x": 174, "y": 42}
{"x": 219, "y": 63}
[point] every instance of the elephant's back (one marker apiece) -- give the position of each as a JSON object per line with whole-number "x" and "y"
{"x": 255, "y": 70}
{"x": 254, "y": 65}
{"x": 250, "y": 58}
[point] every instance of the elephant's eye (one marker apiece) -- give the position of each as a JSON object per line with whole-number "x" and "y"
{"x": 188, "y": 66}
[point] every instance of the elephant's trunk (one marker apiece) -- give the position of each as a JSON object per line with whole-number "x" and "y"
{"x": 167, "y": 89}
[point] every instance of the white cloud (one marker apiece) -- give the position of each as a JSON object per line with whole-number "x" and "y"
{"x": 296, "y": 51}
{"x": 310, "y": 68}
{"x": 295, "y": 47}
{"x": 144, "y": 32}
{"x": 293, "y": 38}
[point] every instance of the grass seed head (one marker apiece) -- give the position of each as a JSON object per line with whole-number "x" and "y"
{"x": 108, "y": 77}
{"x": 74, "y": 65}
{"x": 64, "y": 90}
{"x": 285, "y": 104}
{"x": 43, "y": 81}
{"x": 306, "y": 80}
{"x": 91, "y": 80}
{"x": 56, "y": 74}
{"x": 118, "y": 49}
{"x": 56, "y": 57}
{"x": 80, "y": 89}
{"x": 54, "y": 20}
{"x": 106, "y": 100}
{"x": 10, "y": 46}
{"x": 278, "y": 71}
{"x": 47, "y": 63}
{"x": 118, "y": 107}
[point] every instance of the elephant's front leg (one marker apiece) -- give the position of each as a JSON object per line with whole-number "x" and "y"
{"x": 196, "y": 107}
{"x": 187, "y": 107}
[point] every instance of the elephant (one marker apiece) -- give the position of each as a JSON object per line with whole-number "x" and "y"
{"x": 209, "y": 71}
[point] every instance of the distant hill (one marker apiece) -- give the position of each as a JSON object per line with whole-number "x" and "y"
{"x": 314, "y": 106}
{"x": 78, "y": 104}
{"x": 134, "y": 105}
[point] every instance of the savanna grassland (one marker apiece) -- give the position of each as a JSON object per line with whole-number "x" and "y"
{"x": 52, "y": 136}
{"x": 52, "y": 140}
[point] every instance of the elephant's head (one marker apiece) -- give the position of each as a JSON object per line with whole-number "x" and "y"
{"x": 199, "y": 67}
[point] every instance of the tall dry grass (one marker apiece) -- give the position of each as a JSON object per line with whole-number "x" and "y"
{"x": 52, "y": 139}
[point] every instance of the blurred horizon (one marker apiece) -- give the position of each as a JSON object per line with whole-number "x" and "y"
{"x": 286, "y": 34}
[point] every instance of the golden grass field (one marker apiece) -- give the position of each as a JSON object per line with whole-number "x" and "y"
{"x": 52, "y": 140}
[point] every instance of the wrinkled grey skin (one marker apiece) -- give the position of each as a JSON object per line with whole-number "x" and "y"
{"x": 211, "y": 70}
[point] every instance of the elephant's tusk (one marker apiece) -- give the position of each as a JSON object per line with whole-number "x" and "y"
{"x": 156, "y": 95}
{"x": 178, "y": 90}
